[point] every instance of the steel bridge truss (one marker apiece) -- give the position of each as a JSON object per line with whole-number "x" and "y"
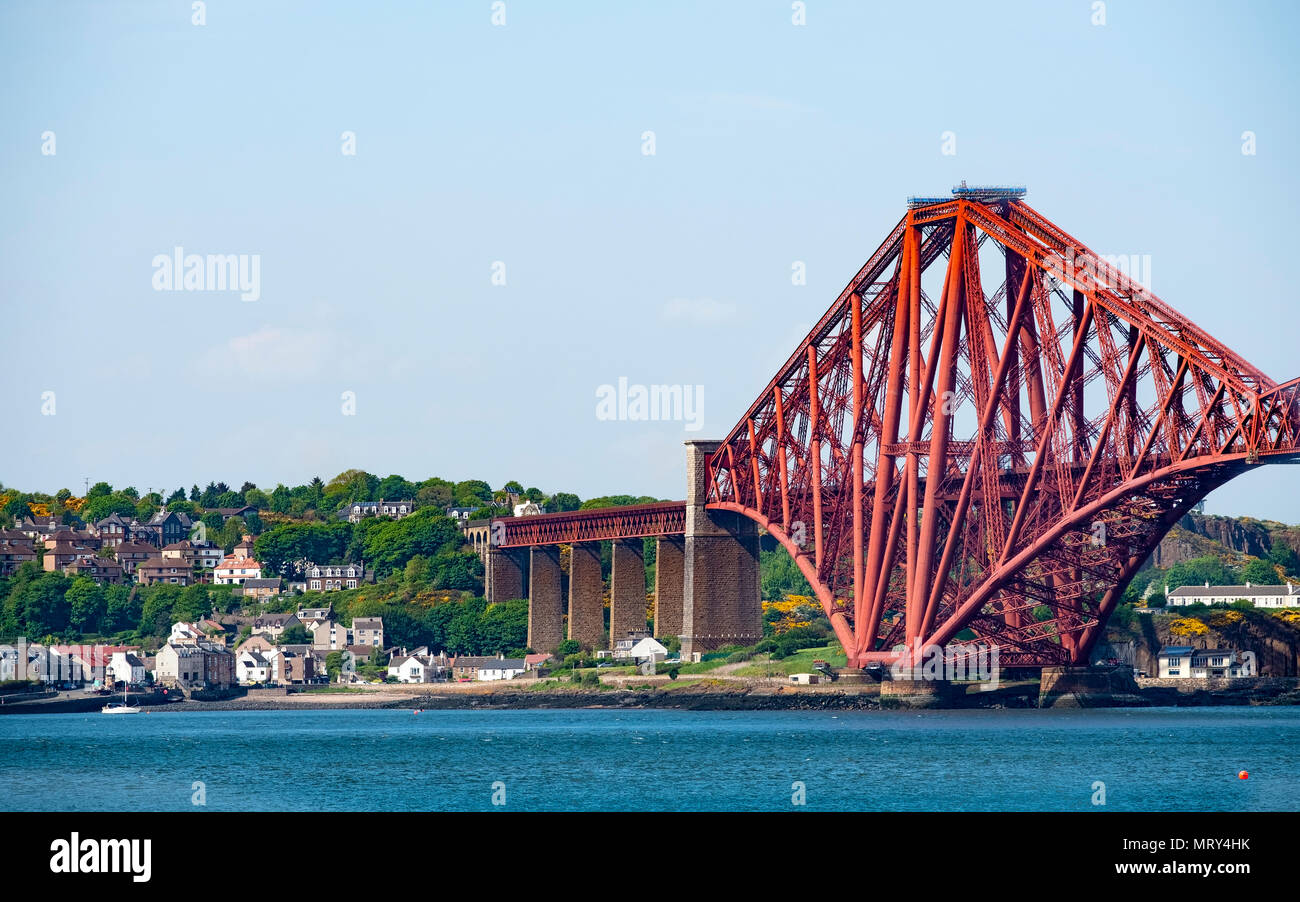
{"x": 987, "y": 435}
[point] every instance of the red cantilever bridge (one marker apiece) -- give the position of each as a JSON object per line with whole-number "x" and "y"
{"x": 982, "y": 440}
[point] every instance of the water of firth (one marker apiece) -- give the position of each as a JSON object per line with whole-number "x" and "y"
{"x": 654, "y": 760}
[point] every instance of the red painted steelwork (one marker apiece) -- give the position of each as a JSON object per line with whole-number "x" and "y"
{"x": 992, "y": 466}
{"x": 635, "y": 521}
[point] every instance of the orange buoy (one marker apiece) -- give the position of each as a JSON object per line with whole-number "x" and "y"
{"x": 1243, "y": 775}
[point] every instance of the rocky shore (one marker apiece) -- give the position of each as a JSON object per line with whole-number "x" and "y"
{"x": 703, "y": 695}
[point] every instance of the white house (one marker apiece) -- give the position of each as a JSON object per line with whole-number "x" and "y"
{"x": 1287, "y": 596}
{"x": 411, "y": 669}
{"x": 184, "y": 633}
{"x": 333, "y": 577}
{"x": 233, "y": 570}
{"x": 501, "y": 669}
{"x": 1182, "y": 662}
{"x": 252, "y": 667}
{"x": 126, "y": 668}
{"x": 647, "y": 649}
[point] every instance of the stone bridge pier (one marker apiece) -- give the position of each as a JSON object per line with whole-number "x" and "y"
{"x": 706, "y": 572}
{"x": 722, "y": 602}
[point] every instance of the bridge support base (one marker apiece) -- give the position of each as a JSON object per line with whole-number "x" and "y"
{"x": 921, "y": 693}
{"x": 545, "y": 601}
{"x": 1087, "y": 687}
{"x": 586, "y": 596}
{"x": 722, "y": 602}
{"x": 670, "y": 580}
{"x": 626, "y": 590}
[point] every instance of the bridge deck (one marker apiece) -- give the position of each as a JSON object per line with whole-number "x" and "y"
{"x": 666, "y": 518}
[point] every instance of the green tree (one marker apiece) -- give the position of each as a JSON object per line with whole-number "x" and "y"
{"x": 472, "y": 493}
{"x": 780, "y": 575}
{"x": 334, "y": 665}
{"x": 295, "y": 635}
{"x": 562, "y": 501}
{"x": 86, "y": 605}
{"x": 1259, "y": 572}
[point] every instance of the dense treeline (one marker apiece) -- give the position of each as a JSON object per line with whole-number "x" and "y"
{"x": 315, "y": 500}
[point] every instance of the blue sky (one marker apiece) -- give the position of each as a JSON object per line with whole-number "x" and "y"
{"x": 478, "y": 143}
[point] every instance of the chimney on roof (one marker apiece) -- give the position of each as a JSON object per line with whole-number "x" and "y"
{"x": 1207, "y": 584}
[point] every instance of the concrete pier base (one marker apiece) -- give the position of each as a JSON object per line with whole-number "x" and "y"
{"x": 921, "y": 693}
{"x": 1087, "y": 687}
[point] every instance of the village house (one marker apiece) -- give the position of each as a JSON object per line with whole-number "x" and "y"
{"x": 411, "y": 669}
{"x": 113, "y": 530}
{"x": 331, "y": 635}
{"x": 39, "y": 528}
{"x": 126, "y": 667}
{"x": 622, "y": 648}
{"x": 359, "y": 510}
{"x": 259, "y": 589}
{"x": 235, "y": 569}
{"x": 256, "y": 642}
{"x": 292, "y": 664}
{"x": 368, "y": 631}
{"x": 206, "y": 555}
{"x": 486, "y": 667}
{"x": 103, "y": 572}
{"x": 163, "y": 570}
{"x": 648, "y": 649}
{"x": 179, "y": 551}
{"x": 185, "y": 634}
{"x": 179, "y": 665}
{"x": 314, "y": 617}
{"x": 252, "y": 667}
{"x": 1186, "y": 662}
{"x": 502, "y": 669}
{"x": 273, "y": 625}
{"x": 1287, "y": 596}
{"x": 64, "y": 547}
{"x": 460, "y": 514}
{"x": 16, "y": 549}
{"x": 534, "y": 662}
{"x": 164, "y": 528}
{"x": 333, "y": 577}
{"x": 130, "y": 554}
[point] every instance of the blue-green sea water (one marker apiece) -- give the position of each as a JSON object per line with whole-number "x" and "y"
{"x": 654, "y": 760}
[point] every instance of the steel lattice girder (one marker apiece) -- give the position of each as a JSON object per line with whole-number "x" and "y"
{"x": 634, "y": 521}
{"x": 992, "y": 467}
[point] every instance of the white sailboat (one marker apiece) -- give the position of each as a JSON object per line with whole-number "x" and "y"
{"x": 123, "y": 708}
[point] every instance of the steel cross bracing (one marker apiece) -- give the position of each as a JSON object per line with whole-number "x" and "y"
{"x": 953, "y": 464}
{"x": 634, "y": 521}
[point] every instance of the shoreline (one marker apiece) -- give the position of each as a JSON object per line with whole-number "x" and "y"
{"x": 703, "y": 696}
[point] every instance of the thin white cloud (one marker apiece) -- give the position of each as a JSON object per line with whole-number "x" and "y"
{"x": 704, "y": 311}
{"x": 271, "y": 351}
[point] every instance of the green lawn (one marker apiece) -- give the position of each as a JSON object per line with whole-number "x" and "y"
{"x": 802, "y": 662}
